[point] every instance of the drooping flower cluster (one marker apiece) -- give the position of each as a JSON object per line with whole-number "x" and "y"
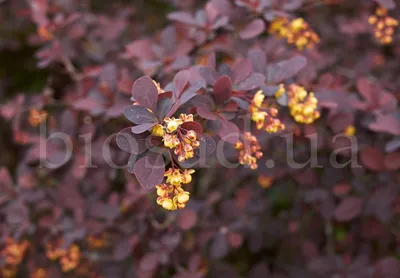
{"x": 296, "y": 32}
{"x": 383, "y": 25}
{"x": 175, "y": 137}
{"x": 303, "y": 105}
{"x": 12, "y": 254}
{"x": 69, "y": 258}
{"x": 262, "y": 118}
{"x": 171, "y": 196}
{"x": 249, "y": 150}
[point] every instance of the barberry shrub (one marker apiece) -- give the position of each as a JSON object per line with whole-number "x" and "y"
{"x": 182, "y": 138}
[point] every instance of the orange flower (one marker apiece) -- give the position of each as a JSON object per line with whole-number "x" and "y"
{"x": 383, "y": 25}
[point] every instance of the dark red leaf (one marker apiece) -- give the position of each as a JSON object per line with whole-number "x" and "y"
{"x": 132, "y": 143}
{"x": 241, "y": 69}
{"x": 349, "y": 209}
{"x": 253, "y": 29}
{"x": 223, "y": 89}
{"x": 142, "y": 128}
{"x": 149, "y": 170}
{"x": 145, "y": 92}
{"x": 139, "y": 115}
{"x": 195, "y": 126}
{"x": 392, "y": 161}
{"x": 372, "y": 159}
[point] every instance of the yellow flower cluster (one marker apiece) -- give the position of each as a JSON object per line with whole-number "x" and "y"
{"x": 182, "y": 141}
{"x": 171, "y": 196}
{"x": 13, "y": 253}
{"x": 296, "y": 32}
{"x": 36, "y": 117}
{"x": 383, "y": 25}
{"x": 302, "y": 105}
{"x": 250, "y": 150}
{"x": 262, "y": 118}
{"x": 69, "y": 258}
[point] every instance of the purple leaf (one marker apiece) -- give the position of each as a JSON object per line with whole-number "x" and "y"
{"x": 164, "y": 106}
{"x": 223, "y": 89}
{"x": 241, "y": 69}
{"x": 286, "y": 69}
{"x": 253, "y": 29}
{"x": 149, "y": 170}
{"x": 269, "y": 90}
{"x": 206, "y": 113}
{"x": 209, "y": 75}
{"x": 145, "y": 92}
{"x": 131, "y": 143}
{"x": 87, "y": 104}
{"x": 142, "y": 128}
{"x": 219, "y": 246}
{"x": 190, "y": 93}
{"x": 228, "y": 131}
{"x": 258, "y": 60}
{"x": 388, "y": 4}
{"x": 183, "y": 17}
{"x": 242, "y": 103}
{"x": 349, "y": 209}
{"x": 255, "y": 80}
{"x": 181, "y": 79}
{"x": 139, "y": 115}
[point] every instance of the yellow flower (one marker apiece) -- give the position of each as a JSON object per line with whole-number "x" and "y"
{"x": 258, "y": 99}
{"x": 259, "y": 118}
{"x": 171, "y": 141}
{"x": 350, "y": 130}
{"x": 172, "y": 124}
{"x": 186, "y": 118}
{"x": 280, "y": 91}
{"x": 297, "y": 24}
{"x": 174, "y": 176}
{"x": 168, "y": 204}
{"x": 158, "y": 130}
{"x": 187, "y": 175}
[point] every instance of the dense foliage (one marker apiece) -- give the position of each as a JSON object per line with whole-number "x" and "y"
{"x": 183, "y": 138}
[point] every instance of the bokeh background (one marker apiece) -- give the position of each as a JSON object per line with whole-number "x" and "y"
{"x": 68, "y": 66}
